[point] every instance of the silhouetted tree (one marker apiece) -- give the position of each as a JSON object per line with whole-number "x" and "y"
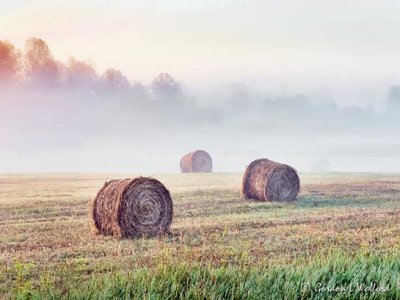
{"x": 139, "y": 90}
{"x": 40, "y": 67}
{"x": 9, "y": 62}
{"x": 165, "y": 85}
{"x": 81, "y": 74}
{"x": 114, "y": 80}
{"x": 393, "y": 100}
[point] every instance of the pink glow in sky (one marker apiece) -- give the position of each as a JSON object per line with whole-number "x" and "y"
{"x": 272, "y": 66}
{"x": 317, "y": 44}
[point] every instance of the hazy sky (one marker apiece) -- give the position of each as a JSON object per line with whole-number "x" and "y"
{"x": 349, "y": 49}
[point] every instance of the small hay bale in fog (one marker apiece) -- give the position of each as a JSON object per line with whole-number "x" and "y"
{"x": 139, "y": 207}
{"x": 196, "y": 162}
{"x": 321, "y": 166}
{"x": 267, "y": 180}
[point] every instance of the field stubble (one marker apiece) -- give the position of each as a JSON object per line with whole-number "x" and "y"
{"x": 45, "y": 237}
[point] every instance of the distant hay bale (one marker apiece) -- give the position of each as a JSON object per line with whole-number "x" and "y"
{"x": 196, "y": 161}
{"x": 320, "y": 166}
{"x": 140, "y": 207}
{"x": 267, "y": 180}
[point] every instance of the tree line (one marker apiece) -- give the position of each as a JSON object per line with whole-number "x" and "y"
{"x": 121, "y": 101}
{"x": 35, "y": 66}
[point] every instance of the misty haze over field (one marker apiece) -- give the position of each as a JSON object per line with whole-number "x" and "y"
{"x": 314, "y": 85}
{"x": 69, "y": 130}
{"x": 66, "y": 117}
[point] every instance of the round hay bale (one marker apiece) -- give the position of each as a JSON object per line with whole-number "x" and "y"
{"x": 320, "y": 166}
{"x": 196, "y": 162}
{"x": 139, "y": 207}
{"x": 267, "y": 180}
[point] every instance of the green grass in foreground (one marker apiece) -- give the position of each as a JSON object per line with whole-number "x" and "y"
{"x": 340, "y": 240}
{"x": 332, "y": 276}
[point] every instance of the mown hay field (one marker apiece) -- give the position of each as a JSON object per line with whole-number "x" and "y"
{"x": 341, "y": 239}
